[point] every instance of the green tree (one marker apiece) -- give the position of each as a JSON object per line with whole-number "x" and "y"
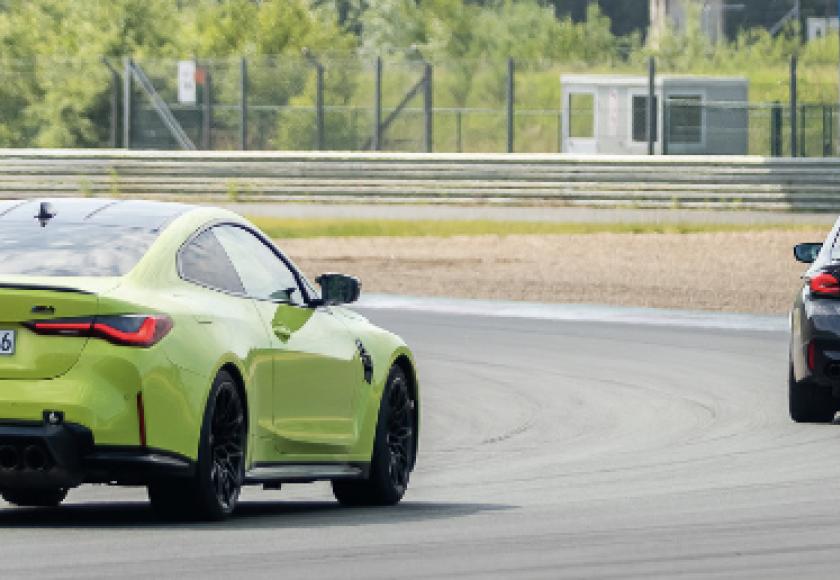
{"x": 58, "y": 91}
{"x": 276, "y": 36}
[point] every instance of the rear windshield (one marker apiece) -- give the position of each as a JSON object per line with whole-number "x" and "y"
{"x": 71, "y": 249}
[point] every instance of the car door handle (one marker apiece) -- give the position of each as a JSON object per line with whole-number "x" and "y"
{"x": 282, "y": 331}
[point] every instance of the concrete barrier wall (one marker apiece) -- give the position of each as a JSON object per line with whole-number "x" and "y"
{"x": 630, "y": 181}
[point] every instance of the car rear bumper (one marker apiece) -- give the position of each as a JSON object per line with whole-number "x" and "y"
{"x": 40, "y": 455}
{"x": 815, "y": 342}
{"x": 826, "y": 363}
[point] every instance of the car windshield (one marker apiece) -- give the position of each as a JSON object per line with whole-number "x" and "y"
{"x": 71, "y": 249}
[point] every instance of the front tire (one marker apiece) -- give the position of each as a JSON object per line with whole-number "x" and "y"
{"x": 393, "y": 450}
{"x": 810, "y": 403}
{"x": 34, "y": 497}
{"x": 213, "y": 492}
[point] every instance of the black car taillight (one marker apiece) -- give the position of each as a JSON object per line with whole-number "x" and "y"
{"x": 824, "y": 284}
{"x": 129, "y": 330}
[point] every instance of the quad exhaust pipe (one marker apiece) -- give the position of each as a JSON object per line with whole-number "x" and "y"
{"x": 9, "y": 457}
{"x": 32, "y": 457}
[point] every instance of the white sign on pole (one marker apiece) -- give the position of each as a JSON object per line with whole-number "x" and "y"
{"x": 186, "y": 81}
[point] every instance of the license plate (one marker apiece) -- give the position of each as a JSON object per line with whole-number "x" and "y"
{"x": 7, "y": 342}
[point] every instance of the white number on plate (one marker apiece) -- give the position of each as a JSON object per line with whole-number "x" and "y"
{"x": 7, "y": 342}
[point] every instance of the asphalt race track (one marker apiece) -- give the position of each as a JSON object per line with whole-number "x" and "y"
{"x": 550, "y": 449}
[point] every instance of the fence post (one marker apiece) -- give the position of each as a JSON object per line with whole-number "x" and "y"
{"x": 651, "y": 111}
{"x": 113, "y": 129}
{"x": 319, "y": 104}
{"x": 127, "y": 64}
{"x": 458, "y": 136}
{"x": 207, "y": 124}
{"x": 243, "y": 104}
{"x": 802, "y": 126}
{"x": 377, "y": 105}
{"x": 428, "y": 108}
{"x": 665, "y": 124}
{"x": 794, "y": 127}
{"x": 776, "y": 120}
{"x": 511, "y": 99}
{"x": 828, "y": 130}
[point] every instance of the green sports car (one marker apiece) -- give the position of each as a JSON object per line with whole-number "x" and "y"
{"x": 176, "y": 347}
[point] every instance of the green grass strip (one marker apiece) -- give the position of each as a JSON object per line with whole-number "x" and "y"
{"x": 320, "y": 227}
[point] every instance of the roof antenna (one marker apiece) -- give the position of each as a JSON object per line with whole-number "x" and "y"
{"x": 45, "y": 214}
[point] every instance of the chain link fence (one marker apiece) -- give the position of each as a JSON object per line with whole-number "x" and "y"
{"x": 406, "y": 104}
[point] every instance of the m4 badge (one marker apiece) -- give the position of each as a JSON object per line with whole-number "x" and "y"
{"x": 367, "y": 361}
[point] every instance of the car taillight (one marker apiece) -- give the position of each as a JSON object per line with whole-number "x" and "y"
{"x": 812, "y": 355}
{"x": 130, "y": 330}
{"x": 824, "y": 284}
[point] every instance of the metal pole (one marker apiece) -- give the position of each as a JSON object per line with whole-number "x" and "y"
{"x": 511, "y": 97}
{"x": 127, "y": 64}
{"x": 794, "y": 149}
{"x": 802, "y": 126}
{"x": 243, "y": 104}
{"x": 458, "y": 134}
{"x": 776, "y": 120}
{"x": 319, "y": 104}
{"x": 115, "y": 107}
{"x": 428, "y": 108}
{"x": 207, "y": 125}
{"x": 651, "y": 111}
{"x": 665, "y": 124}
{"x": 377, "y": 105}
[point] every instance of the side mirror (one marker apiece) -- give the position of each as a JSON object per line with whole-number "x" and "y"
{"x": 339, "y": 288}
{"x": 806, "y": 253}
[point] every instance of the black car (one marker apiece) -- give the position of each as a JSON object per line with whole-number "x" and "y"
{"x": 814, "y": 378}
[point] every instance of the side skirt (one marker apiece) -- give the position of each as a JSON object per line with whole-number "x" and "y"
{"x": 135, "y": 465}
{"x": 267, "y": 473}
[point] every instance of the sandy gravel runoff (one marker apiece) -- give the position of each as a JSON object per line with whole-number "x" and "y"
{"x": 738, "y": 272}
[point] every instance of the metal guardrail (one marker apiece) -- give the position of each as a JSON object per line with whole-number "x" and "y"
{"x": 630, "y": 181}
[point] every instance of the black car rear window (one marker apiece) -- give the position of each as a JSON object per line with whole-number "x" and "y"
{"x": 71, "y": 249}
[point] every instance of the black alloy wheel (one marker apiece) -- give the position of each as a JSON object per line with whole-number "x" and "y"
{"x": 213, "y": 492}
{"x": 393, "y": 450}
{"x": 400, "y": 433}
{"x": 227, "y": 446}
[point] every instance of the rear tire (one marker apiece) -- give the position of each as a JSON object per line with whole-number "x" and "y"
{"x": 810, "y": 403}
{"x": 393, "y": 450}
{"x": 34, "y": 497}
{"x": 212, "y": 493}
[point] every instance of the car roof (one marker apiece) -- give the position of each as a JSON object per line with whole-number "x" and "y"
{"x": 151, "y": 215}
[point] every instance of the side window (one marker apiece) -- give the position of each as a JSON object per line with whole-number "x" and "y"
{"x": 823, "y": 258}
{"x": 640, "y": 118}
{"x": 582, "y": 115}
{"x": 264, "y": 275}
{"x": 685, "y": 119}
{"x": 204, "y": 262}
